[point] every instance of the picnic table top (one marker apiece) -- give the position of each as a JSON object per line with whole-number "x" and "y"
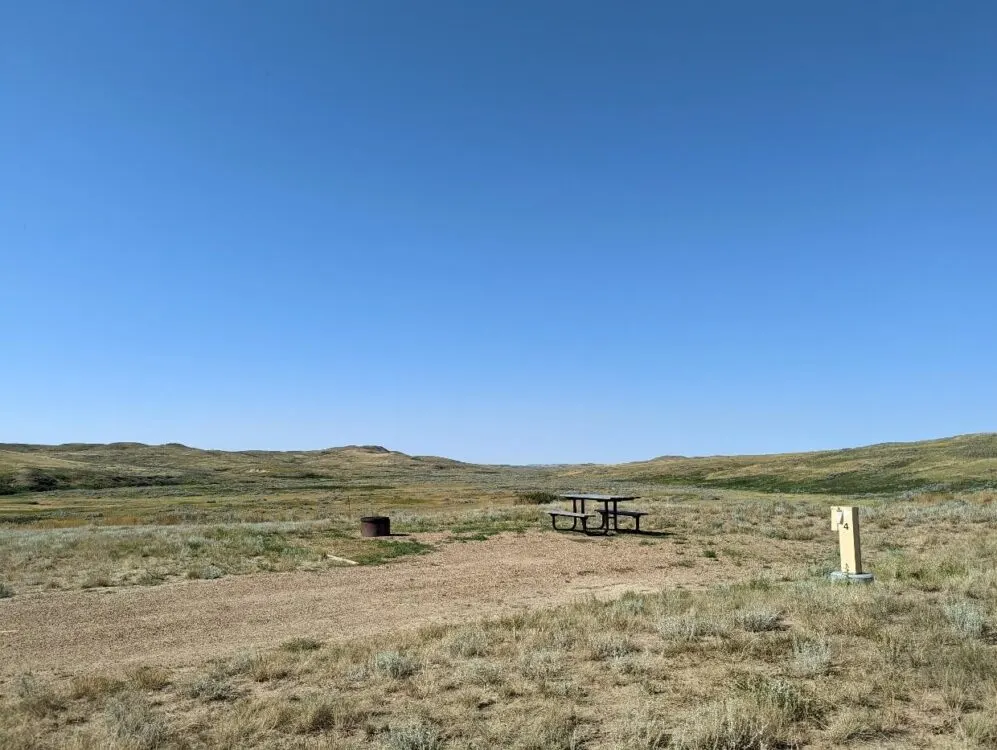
{"x": 601, "y": 497}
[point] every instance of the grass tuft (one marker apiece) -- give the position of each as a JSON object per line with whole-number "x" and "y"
{"x": 395, "y": 664}
{"x": 732, "y": 724}
{"x": 414, "y": 736}
{"x": 94, "y": 687}
{"x": 691, "y": 626}
{"x": 210, "y": 688}
{"x": 611, "y": 646}
{"x": 38, "y": 698}
{"x": 468, "y": 642}
{"x": 759, "y": 620}
{"x": 148, "y": 677}
{"x": 301, "y": 645}
{"x": 134, "y": 724}
{"x": 541, "y": 664}
{"x": 321, "y": 713}
{"x": 811, "y": 658}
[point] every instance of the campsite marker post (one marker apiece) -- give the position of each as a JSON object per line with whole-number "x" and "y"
{"x": 845, "y": 520}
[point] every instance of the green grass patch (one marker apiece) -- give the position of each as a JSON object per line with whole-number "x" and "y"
{"x": 377, "y": 551}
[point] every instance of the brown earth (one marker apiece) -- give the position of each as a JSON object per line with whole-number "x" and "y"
{"x": 186, "y": 623}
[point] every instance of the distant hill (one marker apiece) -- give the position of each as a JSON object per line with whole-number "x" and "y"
{"x": 963, "y": 462}
{"x": 33, "y": 468}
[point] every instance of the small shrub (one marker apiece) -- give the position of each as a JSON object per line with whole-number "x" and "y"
{"x": 205, "y": 572}
{"x": 628, "y": 606}
{"x": 210, "y": 688}
{"x": 468, "y": 642}
{"x": 541, "y": 664}
{"x": 966, "y": 618}
{"x": 759, "y": 620}
{"x": 481, "y": 672}
{"x": 632, "y": 664}
{"x": 133, "y": 723}
{"x": 395, "y": 665}
{"x": 418, "y": 736}
{"x": 811, "y": 658}
{"x": 241, "y": 663}
{"x": 611, "y": 646}
{"x": 690, "y": 626}
{"x": 794, "y": 703}
{"x": 536, "y": 497}
{"x": 358, "y": 673}
{"x": 5, "y": 591}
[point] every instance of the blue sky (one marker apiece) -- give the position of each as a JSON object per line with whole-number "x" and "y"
{"x": 509, "y": 232}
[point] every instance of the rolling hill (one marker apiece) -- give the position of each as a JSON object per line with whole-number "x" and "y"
{"x": 963, "y": 462}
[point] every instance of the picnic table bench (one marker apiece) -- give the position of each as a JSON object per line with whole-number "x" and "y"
{"x": 575, "y": 518}
{"x": 578, "y": 515}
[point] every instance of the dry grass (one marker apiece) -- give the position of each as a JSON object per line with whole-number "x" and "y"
{"x": 98, "y": 557}
{"x": 728, "y": 526}
{"x": 907, "y": 662}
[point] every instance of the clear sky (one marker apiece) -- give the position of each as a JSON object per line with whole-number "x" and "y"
{"x": 507, "y": 231}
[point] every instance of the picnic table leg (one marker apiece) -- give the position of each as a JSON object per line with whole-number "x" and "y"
{"x": 616, "y": 518}
{"x": 574, "y": 524}
{"x": 574, "y": 521}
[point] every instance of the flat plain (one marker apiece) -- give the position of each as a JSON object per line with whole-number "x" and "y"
{"x": 168, "y": 597}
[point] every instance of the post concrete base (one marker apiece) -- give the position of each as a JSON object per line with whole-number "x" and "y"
{"x": 839, "y": 577}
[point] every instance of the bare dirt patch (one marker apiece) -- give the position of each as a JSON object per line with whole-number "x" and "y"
{"x": 186, "y": 623}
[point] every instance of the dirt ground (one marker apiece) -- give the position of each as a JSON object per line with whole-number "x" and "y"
{"x": 186, "y": 623}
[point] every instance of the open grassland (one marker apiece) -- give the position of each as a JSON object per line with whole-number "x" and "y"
{"x": 729, "y": 523}
{"x": 761, "y": 661}
{"x": 762, "y": 653}
{"x": 91, "y": 557}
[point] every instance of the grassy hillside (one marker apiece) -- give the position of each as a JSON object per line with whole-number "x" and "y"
{"x": 964, "y": 462}
{"x": 39, "y": 468}
{"x": 958, "y": 463}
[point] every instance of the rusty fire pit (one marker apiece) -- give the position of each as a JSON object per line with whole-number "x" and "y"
{"x": 375, "y": 526}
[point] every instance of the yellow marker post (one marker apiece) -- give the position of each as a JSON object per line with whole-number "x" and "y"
{"x": 845, "y": 520}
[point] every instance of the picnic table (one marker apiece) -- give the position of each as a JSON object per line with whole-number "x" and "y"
{"x": 609, "y": 515}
